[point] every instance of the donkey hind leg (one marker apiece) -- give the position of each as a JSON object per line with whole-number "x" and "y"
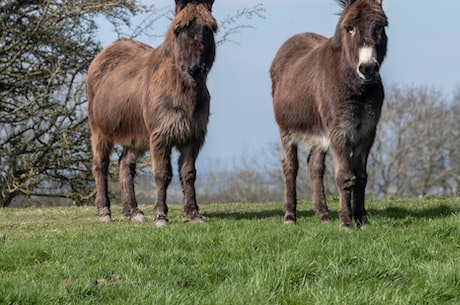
{"x": 187, "y": 172}
{"x": 127, "y": 164}
{"x": 162, "y": 172}
{"x": 290, "y": 169}
{"x": 101, "y": 159}
{"x": 358, "y": 194}
{"x": 316, "y": 169}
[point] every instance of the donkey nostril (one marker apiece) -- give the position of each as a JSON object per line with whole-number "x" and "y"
{"x": 363, "y": 69}
{"x": 191, "y": 70}
{"x": 194, "y": 71}
{"x": 368, "y": 70}
{"x": 197, "y": 73}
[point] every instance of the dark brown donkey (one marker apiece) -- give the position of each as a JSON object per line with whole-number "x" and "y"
{"x": 328, "y": 93}
{"x": 153, "y": 98}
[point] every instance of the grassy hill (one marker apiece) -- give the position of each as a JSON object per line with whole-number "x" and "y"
{"x": 243, "y": 254}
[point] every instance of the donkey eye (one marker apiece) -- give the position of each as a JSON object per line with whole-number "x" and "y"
{"x": 378, "y": 31}
{"x": 177, "y": 30}
{"x": 350, "y": 29}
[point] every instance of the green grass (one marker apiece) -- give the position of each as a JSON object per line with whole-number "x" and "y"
{"x": 243, "y": 254}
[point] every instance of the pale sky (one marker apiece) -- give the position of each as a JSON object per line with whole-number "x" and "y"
{"x": 423, "y": 49}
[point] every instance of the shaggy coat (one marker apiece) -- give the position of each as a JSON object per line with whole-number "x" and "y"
{"x": 153, "y": 98}
{"x": 327, "y": 93}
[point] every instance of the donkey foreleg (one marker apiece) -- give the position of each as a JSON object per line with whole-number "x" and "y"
{"x": 316, "y": 169}
{"x": 359, "y": 211}
{"x": 345, "y": 181}
{"x": 162, "y": 172}
{"x": 290, "y": 169}
{"x": 358, "y": 194}
{"x": 127, "y": 165}
{"x": 187, "y": 172}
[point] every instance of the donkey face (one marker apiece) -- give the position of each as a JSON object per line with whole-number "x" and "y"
{"x": 363, "y": 37}
{"x": 194, "y": 32}
{"x": 197, "y": 51}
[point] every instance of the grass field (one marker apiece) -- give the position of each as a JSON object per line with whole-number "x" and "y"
{"x": 243, "y": 254}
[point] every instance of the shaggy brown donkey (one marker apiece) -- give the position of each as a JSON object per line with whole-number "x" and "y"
{"x": 327, "y": 93}
{"x": 153, "y": 98}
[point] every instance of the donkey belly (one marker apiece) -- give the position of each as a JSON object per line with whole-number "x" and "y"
{"x": 318, "y": 141}
{"x": 124, "y": 129}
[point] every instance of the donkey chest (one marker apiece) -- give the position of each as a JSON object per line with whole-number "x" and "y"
{"x": 177, "y": 124}
{"x": 355, "y": 123}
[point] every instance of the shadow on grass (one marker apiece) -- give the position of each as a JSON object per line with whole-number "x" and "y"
{"x": 433, "y": 212}
{"x": 262, "y": 214}
{"x": 439, "y": 211}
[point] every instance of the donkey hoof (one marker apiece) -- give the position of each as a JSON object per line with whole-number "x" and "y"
{"x": 161, "y": 219}
{"x": 138, "y": 218}
{"x": 194, "y": 216}
{"x": 104, "y": 214}
{"x": 325, "y": 218}
{"x": 197, "y": 219}
{"x": 126, "y": 211}
{"x": 364, "y": 224}
{"x": 161, "y": 222}
{"x": 105, "y": 219}
{"x": 289, "y": 219}
{"x": 346, "y": 226}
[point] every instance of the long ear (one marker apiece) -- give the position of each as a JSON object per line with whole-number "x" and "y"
{"x": 208, "y": 3}
{"x": 379, "y": 1}
{"x": 345, "y": 3}
{"x": 180, "y": 4}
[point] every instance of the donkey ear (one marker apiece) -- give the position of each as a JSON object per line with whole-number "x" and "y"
{"x": 208, "y": 3}
{"x": 180, "y": 4}
{"x": 379, "y": 1}
{"x": 345, "y": 3}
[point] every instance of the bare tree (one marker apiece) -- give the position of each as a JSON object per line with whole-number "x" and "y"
{"x": 249, "y": 178}
{"x": 231, "y": 26}
{"x": 414, "y": 153}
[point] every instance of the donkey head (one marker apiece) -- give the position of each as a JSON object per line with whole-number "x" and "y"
{"x": 361, "y": 35}
{"x": 194, "y": 28}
